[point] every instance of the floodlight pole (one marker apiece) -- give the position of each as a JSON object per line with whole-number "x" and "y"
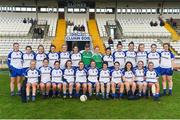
{"x": 162, "y": 6}
{"x": 116, "y": 10}
{"x": 36, "y": 10}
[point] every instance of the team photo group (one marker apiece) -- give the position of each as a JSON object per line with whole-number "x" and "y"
{"x": 69, "y": 74}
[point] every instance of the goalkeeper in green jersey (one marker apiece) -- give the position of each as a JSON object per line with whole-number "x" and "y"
{"x": 97, "y": 57}
{"x": 86, "y": 56}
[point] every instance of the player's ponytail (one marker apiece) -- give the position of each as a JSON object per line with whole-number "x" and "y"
{"x": 131, "y": 43}
{"x": 119, "y": 43}
{"x": 51, "y": 47}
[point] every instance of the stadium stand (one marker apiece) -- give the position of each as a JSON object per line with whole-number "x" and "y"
{"x": 101, "y": 22}
{"x": 139, "y": 26}
{"x": 12, "y": 23}
{"x": 6, "y": 44}
{"x": 51, "y": 19}
{"x": 78, "y": 20}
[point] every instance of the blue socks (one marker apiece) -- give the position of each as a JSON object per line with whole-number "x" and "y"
{"x": 170, "y": 91}
{"x": 164, "y": 91}
{"x": 121, "y": 95}
{"x": 114, "y": 95}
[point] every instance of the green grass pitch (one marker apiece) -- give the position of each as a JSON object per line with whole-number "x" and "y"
{"x": 11, "y": 107}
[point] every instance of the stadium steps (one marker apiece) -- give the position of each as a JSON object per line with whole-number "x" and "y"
{"x": 174, "y": 34}
{"x": 96, "y": 40}
{"x": 59, "y": 40}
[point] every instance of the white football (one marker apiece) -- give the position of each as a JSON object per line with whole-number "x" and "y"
{"x": 83, "y": 98}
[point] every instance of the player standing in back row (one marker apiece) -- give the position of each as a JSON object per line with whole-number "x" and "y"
{"x": 64, "y": 56}
{"x": 131, "y": 54}
{"x": 86, "y": 56}
{"x": 119, "y": 55}
{"x": 166, "y": 64}
{"x": 15, "y": 66}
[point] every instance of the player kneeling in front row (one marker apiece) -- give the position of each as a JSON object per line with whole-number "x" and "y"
{"x": 104, "y": 79}
{"x": 69, "y": 73}
{"x": 93, "y": 79}
{"x": 45, "y": 84}
{"x": 128, "y": 78}
{"x": 139, "y": 78}
{"x": 151, "y": 77}
{"x": 56, "y": 79}
{"x": 81, "y": 80}
{"x": 116, "y": 80}
{"x": 32, "y": 75}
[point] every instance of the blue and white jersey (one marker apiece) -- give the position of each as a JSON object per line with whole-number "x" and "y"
{"x": 119, "y": 56}
{"x": 93, "y": 75}
{"x": 52, "y": 58}
{"x": 56, "y": 75}
{"x": 151, "y": 76}
{"x": 32, "y": 75}
{"x": 69, "y": 75}
{"x": 39, "y": 59}
{"x": 104, "y": 76}
{"x": 129, "y": 75}
{"x": 139, "y": 75}
{"x": 63, "y": 58}
{"x": 131, "y": 57}
{"x": 81, "y": 76}
{"x": 116, "y": 76}
{"x": 45, "y": 74}
{"x": 166, "y": 59}
{"x": 109, "y": 59}
{"x": 142, "y": 56}
{"x": 27, "y": 59}
{"x": 154, "y": 57}
{"x": 75, "y": 58}
{"x": 15, "y": 59}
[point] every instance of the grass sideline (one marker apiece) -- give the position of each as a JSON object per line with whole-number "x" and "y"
{"x": 11, "y": 107}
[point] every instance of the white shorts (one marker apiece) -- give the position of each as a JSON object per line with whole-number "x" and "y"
{"x": 45, "y": 81}
{"x": 57, "y": 82}
{"x": 32, "y": 81}
{"x": 140, "y": 82}
{"x": 116, "y": 82}
{"x": 93, "y": 81}
{"x": 68, "y": 81}
{"x": 151, "y": 80}
{"x": 104, "y": 82}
